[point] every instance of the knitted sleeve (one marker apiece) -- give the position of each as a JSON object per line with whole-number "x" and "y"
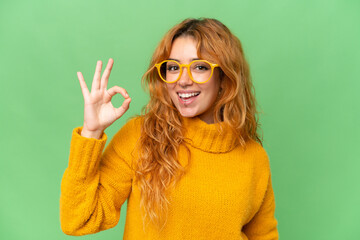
{"x": 95, "y": 184}
{"x": 263, "y": 226}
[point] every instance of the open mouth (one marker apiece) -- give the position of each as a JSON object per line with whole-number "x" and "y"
{"x": 187, "y": 98}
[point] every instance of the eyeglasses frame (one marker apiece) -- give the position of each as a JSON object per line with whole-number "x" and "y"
{"x": 212, "y": 65}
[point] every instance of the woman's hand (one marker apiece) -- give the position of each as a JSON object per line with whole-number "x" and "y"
{"x": 99, "y": 113}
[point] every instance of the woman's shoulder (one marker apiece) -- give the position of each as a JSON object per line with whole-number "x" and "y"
{"x": 131, "y": 129}
{"x": 257, "y": 153}
{"x": 256, "y": 146}
{"x": 134, "y": 122}
{"x": 129, "y": 134}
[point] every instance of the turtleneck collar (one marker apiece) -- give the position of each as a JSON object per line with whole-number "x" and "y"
{"x": 208, "y": 137}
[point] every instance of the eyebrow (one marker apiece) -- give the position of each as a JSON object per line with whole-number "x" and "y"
{"x": 180, "y": 61}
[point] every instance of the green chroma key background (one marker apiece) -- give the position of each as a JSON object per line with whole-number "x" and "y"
{"x": 304, "y": 59}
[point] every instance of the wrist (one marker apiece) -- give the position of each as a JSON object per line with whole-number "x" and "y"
{"x": 91, "y": 134}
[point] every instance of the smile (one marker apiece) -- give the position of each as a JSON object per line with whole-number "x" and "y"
{"x": 188, "y": 95}
{"x": 187, "y": 98}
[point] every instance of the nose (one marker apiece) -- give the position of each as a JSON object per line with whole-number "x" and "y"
{"x": 185, "y": 79}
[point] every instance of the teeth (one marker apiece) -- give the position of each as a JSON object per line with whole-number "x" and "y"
{"x": 187, "y": 95}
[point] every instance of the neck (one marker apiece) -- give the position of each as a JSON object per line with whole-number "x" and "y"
{"x": 208, "y": 120}
{"x": 207, "y": 117}
{"x": 216, "y": 137}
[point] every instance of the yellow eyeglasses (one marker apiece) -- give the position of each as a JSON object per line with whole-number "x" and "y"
{"x": 200, "y": 71}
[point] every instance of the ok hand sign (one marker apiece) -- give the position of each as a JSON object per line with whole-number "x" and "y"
{"x": 99, "y": 113}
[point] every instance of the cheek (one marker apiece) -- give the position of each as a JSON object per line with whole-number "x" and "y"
{"x": 211, "y": 90}
{"x": 171, "y": 90}
{"x": 170, "y": 86}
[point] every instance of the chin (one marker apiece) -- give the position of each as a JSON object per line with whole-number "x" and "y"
{"x": 187, "y": 113}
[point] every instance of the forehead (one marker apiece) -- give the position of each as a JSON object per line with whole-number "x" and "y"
{"x": 184, "y": 49}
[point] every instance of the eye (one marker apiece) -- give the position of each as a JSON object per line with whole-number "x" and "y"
{"x": 172, "y": 67}
{"x": 201, "y": 67}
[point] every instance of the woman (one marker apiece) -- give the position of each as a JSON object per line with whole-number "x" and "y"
{"x": 192, "y": 166}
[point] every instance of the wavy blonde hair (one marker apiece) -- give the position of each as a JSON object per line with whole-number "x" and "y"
{"x": 158, "y": 167}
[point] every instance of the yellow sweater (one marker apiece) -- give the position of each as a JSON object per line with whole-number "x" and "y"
{"x": 226, "y": 193}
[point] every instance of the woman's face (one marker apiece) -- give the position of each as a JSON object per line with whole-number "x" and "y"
{"x": 184, "y": 51}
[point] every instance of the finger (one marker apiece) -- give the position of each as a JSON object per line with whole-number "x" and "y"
{"x": 106, "y": 74}
{"x": 96, "y": 80}
{"x": 123, "y": 108}
{"x": 84, "y": 89}
{"x": 116, "y": 89}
